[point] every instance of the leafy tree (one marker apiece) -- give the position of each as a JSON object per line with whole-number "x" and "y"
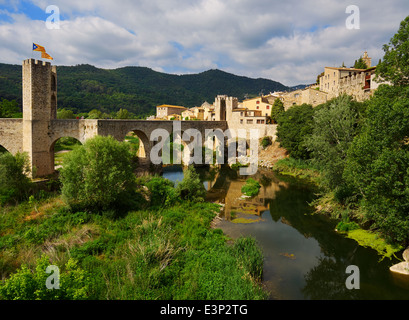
{"x": 378, "y": 162}
{"x": 191, "y": 187}
{"x": 293, "y": 126}
{"x": 360, "y": 64}
{"x": 99, "y": 175}
{"x": 123, "y": 114}
{"x": 14, "y": 181}
{"x": 65, "y": 114}
{"x": 277, "y": 109}
{"x": 395, "y": 64}
{"x": 335, "y": 126}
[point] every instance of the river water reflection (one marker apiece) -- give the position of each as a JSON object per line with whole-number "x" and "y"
{"x": 304, "y": 257}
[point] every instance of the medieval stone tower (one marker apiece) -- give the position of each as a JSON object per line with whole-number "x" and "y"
{"x": 39, "y": 109}
{"x": 224, "y": 107}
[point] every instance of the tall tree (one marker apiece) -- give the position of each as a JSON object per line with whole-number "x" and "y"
{"x": 395, "y": 64}
{"x": 276, "y": 110}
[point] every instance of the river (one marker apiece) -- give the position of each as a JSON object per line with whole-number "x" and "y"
{"x": 305, "y": 258}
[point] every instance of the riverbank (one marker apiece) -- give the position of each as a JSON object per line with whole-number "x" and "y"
{"x": 326, "y": 204}
{"x": 166, "y": 254}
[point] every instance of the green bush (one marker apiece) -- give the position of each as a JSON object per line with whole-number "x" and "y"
{"x": 24, "y": 284}
{"x": 266, "y": 141}
{"x": 162, "y": 191}
{"x": 14, "y": 181}
{"x": 191, "y": 187}
{"x": 99, "y": 175}
{"x": 251, "y": 188}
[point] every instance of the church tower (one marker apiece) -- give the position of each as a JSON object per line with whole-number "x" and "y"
{"x": 367, "y": 59}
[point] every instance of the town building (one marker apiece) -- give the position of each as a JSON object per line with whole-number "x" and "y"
{"x": 166, "y": 112}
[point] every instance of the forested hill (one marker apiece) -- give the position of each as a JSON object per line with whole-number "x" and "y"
{"x": 82, "y": 88}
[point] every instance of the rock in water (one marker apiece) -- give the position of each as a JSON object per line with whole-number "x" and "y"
{"x": 406, "y": 255}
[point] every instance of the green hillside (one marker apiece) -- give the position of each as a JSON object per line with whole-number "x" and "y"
{"x": 82, "y": 88}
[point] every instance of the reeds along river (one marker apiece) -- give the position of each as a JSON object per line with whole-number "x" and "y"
{"x": 305, "y": 258}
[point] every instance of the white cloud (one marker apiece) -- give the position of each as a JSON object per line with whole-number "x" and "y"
{"x": 287, "y": 41}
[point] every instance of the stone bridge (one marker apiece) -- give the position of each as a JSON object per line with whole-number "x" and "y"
{"x": 38, "y": 131}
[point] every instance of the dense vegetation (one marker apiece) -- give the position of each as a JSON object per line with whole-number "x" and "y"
{"x": 359, "y": 150}
{"x": 139, "y": 90}
{"x": 158, "y": 246}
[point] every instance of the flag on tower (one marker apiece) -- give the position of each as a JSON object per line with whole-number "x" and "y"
{"x": 45, "y": 55}
{"x": 37, "y": 47}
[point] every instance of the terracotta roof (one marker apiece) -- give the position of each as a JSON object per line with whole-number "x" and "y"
{"x": 170, "y": 106}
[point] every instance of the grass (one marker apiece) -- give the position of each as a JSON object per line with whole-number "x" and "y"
{"x": 372, "y": 240}
{"x": 170, "y": 253}
{"x": 251, "y": 188}
{"x": 297, "y": 168}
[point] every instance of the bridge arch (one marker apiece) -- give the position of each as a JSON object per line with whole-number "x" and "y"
{"x": 144, "y": 144}
{"x": 9, "y": 146}
{"x": 3, "y": 149}
{"x": 59, "y": 147}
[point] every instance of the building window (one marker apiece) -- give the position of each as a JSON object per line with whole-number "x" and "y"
{"x": 250, "y": 121}
{"x": 258, "y": 102}
{"x": 268, "y": 107}
{"x": 241, "y": 121}
{"x": 258, "y": 107}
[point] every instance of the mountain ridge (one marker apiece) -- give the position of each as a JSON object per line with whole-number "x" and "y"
{"x": 138, "y": 89}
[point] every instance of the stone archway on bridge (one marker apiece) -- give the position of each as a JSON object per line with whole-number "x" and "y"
{"x": 3, "y": 149}
{"x": 144, "y": 146}
{"x": 60, "y": 147}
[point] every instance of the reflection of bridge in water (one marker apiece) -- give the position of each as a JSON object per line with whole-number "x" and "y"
{"x": 225, "y": 188}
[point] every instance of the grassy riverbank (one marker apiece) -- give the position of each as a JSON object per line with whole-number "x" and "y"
{"x": 350, "y": 216}
{"x": 147, "y": 254}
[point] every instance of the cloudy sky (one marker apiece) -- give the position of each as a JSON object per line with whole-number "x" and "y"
{"x": 287, "y": 41}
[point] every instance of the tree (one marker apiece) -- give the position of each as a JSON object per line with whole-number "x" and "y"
{"x": 99, "y": 175}
{"x": 395, "y": 64}
{"x": 14, "y": 181}
{"x": 123, "y": 114}
{"x": 277, "y": 109}
{"x": 360, "y": 64}
{"x": 65, "y": 114}
{"x": 191, "y": 188}
{"x": 335, "y": 126}
{"x": 293, "y": 126}
{"x": 378, "y": 162}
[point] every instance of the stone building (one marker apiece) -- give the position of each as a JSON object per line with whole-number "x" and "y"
{"x": 358, "y": 83}
{"x": 165, "y": 111}
{"x": 310, "y": 95}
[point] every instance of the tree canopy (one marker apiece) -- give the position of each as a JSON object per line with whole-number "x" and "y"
{"x": 394, "y": 66}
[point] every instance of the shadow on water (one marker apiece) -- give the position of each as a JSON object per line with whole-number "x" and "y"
{"x": 304, "y": 257}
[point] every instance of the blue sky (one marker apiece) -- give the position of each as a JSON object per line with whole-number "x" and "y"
{"x": 287, "y": 41}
